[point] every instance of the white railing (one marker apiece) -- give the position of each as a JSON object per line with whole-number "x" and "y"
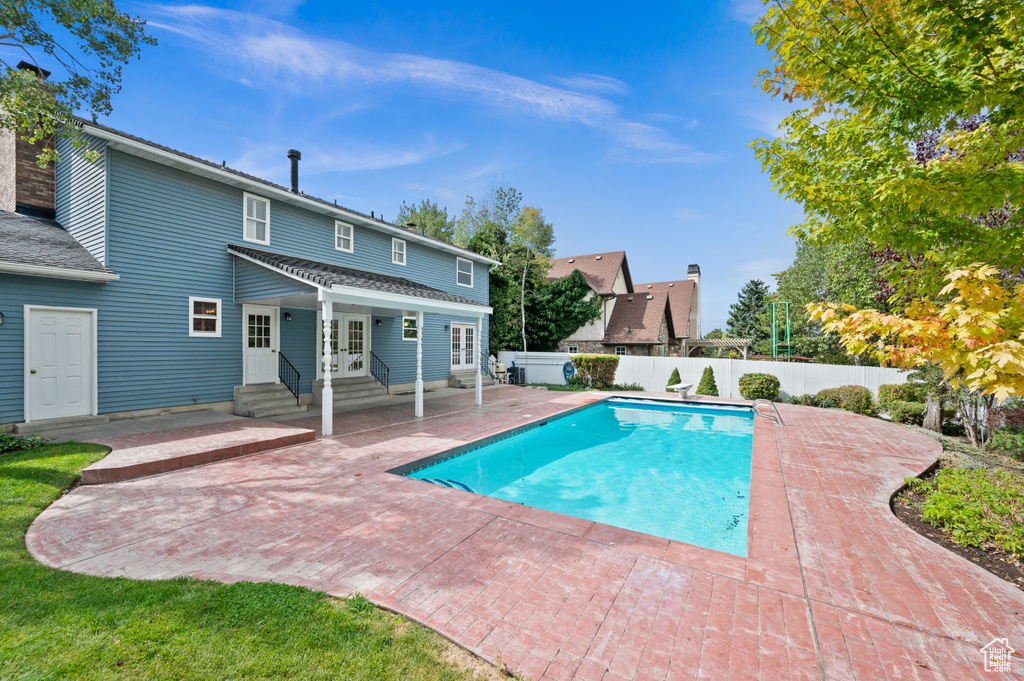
{"x": 652, "y": 373}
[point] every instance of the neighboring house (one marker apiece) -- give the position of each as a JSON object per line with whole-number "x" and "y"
{"x": 151, "y": 279}
{"x": 646, "y": 319}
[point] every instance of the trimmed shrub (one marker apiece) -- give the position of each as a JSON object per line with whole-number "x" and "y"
{"x": 628, "y": 386}
{"x": 1009, "y": 439}
{"x": 596, "y": 371}
{"x": 900, "y": 392}
{"x": 673, "y": 378}
{"x": 953, "y": 428}
{"x": 707, "y": 385}
{"x": 907, "y": 412}
{"x": 804, "y": 400}
{"x": 759, "y": 387}
{"x": 16, "y": 443}
{"x": 853, "y": 398}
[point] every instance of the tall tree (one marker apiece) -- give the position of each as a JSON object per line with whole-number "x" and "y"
{"x": 744, "y": 315}
{"x": 429, "y": 218}
{"x": 558, "y": 308}
{"x": 908, "y": 133}
{"x": 104, "y": 39}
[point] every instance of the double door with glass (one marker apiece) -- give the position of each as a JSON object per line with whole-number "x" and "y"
{"x": 464, "y": 347}
{"x": 350, "y": 345}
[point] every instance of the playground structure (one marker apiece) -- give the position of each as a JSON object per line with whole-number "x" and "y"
{"x": 781, "y": 347}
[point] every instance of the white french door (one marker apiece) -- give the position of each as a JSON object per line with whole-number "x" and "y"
{"x": 60, "y": 362}
{"x": 260, "y": 343}
{"x": 464, "y": 347}
{"x": 350, "y": 345}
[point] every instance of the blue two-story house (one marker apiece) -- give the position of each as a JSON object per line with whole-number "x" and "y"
{"x": 149, "y": 279}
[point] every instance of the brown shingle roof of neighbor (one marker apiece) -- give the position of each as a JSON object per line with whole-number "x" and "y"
{"x": 636, "y": 319}
{"x": 680, "y": 297}
{"x": 599, "y": 269}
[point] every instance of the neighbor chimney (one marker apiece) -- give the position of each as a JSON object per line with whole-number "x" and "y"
{"x": 24, "y": 186}
{"x": 693, "y": 274}
{"x": 294, "y": 155}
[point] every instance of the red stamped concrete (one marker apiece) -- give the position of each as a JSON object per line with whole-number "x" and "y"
{"x": 833, "y": 586}
{"x": 143, "y": 454}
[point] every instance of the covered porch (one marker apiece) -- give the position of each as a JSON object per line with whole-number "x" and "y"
{"x": 347, "y": 323}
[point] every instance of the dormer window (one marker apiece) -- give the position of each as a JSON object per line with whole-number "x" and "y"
{"x": 257, "y": 219}
{"x": 398, "y": 251}
{"x": 343, "y": 237}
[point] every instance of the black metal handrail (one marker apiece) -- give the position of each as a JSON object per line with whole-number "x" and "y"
{"x": 380, "y": 371}
{"x": 289, "y": 375}
{"x": 485, "y": 362}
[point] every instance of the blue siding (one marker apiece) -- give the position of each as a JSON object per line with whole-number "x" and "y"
{"x": 80, "y": 196}
{"x": 255, "y": 282}
{"x": 298, "y": 344}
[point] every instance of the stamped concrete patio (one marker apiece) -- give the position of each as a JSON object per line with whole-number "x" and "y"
{"x": 833, "y": 587}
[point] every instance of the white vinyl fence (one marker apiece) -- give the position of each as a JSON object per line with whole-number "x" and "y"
{"x": 652, "y": 373}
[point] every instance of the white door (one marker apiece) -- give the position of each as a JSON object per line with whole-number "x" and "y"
{"x": 464, "y": 347}
{"x": 60, "y": 363}
{"x": 355, "y": 353}
{"x": 260, "y": 343}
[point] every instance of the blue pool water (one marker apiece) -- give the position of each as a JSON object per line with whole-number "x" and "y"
{"x": 675, "y": 471}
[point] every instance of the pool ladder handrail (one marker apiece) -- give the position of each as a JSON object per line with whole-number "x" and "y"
{"x": 774, "y": 419}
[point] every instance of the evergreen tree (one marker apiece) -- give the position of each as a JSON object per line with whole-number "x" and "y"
{"x": 707, "y": 385}
{"x": 674, "y": 378}
{"x": 744, "y": 315}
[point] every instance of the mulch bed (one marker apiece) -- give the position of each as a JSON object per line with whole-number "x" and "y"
{"x": 907, "y": 507}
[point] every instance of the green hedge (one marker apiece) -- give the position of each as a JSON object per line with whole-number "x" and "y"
{"x": 853, "y": 398}
{"x": 596, "y": 371}
{"x": 900, "y": 392}
{"x": 907, "y": 412}
{"x": 1009, "y": 439}
{"x": 759, "y": 387}
{"x": 707, "y": 385}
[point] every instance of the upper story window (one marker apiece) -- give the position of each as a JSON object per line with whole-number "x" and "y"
{"x": 204, "y": 317}
{"x": 257, "y": 219}
{"x": 464, "y": 272}
{"x": 344, "y": 239}
{"x": 398, "y": 251}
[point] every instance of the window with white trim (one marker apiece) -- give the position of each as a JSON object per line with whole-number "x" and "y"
{"x": 204, "y": 317}
{"x": 410, "y": 331}
{"x": 464, "y": 272}
{"x": 620, "y": 350}
{"x": 398, "y": 251}
{"x": 257, "y": 219}
{"x": 344, "y": 237}
{"x": 572, "y": 349}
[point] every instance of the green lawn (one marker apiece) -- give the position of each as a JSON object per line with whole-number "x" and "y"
{"x": 60, "y": 625}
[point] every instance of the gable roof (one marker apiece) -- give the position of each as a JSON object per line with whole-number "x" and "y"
{"x": 636, "y": 319}
{"x": 159, "y": 153}
{"x": 599, "y": 269}
{"x": 327, "y": 275}
{"x": 36, "y": 246}
{"x": 680, "y": 295}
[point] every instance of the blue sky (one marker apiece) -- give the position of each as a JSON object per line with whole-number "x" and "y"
{"x": 628, "y": 125}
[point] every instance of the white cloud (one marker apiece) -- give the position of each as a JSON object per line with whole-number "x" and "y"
{"x": 592, "y": 82}
{"x": 672, "y": 118}
{"x": 747, "y": 11}
{"x": 273, "y": 54}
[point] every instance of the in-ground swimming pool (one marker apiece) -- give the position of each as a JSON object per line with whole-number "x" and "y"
{"x": 676, "y": 471}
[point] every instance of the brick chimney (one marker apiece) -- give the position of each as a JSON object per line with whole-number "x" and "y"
{"x": 693, "y": 274}
{"x": 24, "y": 186}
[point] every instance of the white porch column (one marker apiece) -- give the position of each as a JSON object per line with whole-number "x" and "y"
{"x": 419, "y": 364}
{"x": 327, "y": 396}
{"x": 480, "y": 358}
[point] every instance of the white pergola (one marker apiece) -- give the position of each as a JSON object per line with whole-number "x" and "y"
{"x": 742, "y": 344}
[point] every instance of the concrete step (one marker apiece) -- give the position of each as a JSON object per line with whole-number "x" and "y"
{"x": 52, "y": 427}
{"x": 277, "y": 410}
{"x": 267, "y": 399}
{"x": 261, "y": 388}
{"x": 349, "y": 393}
{"x": 361, "y": 401}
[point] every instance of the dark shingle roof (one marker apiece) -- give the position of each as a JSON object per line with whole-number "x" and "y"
{"x": 26, "y": 240}
{"x": 636, "y": 319}
{"x": 325, "y": 275}
{"x": 680, "y": 297}
{"x": 599, "y": 269}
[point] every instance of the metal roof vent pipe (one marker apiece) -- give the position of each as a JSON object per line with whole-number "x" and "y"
{"x": 294, "y": 155}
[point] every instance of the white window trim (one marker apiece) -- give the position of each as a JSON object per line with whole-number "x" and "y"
{"x": 338, "y": 225}
{"x": 620, "y": 347}
{"x": 245, "y": 218}
{"x": 405, "y": 252}
{"x": 413, "y": 318}
{"x": 192, "y": 300}
{"x": 573, "y": 349}
{"x": 459, "y": 261}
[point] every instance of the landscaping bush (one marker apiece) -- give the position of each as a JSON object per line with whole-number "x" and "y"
{"x": 1009, "y": 414}
{"x": 1009, "y": 439}
{"x": 707, "y": 385}
{"x": 911, "y": 413}
{"x": 804, "y": 400}
{"x": 16, "y": 443}
{"x": 759, "y": 387}
{"x": 900, "y": 392}
{"x": 597, "y": 371}
{"x": 953, "y": 428}
{"x": 673, "y": 378}
{"x": 853, "y": 398}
